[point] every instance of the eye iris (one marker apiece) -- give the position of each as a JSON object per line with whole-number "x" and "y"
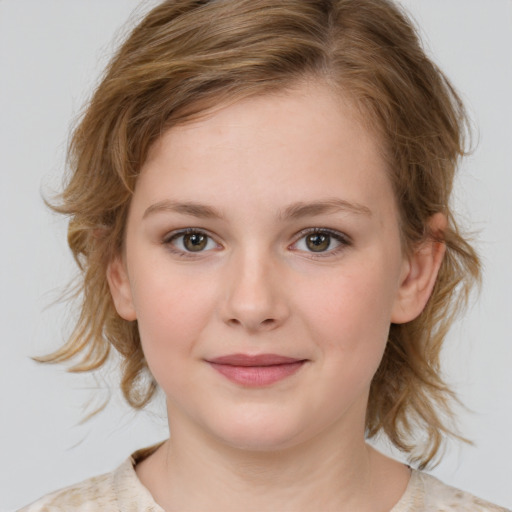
{"x": 195, "y": 242}
{"x": 318, "y": 242}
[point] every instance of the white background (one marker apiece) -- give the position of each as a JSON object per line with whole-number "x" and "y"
{"x": 51, "y": 54}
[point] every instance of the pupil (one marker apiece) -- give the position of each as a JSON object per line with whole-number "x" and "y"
{"x": 195, "y": 242}
{"x": 318, "y": 242}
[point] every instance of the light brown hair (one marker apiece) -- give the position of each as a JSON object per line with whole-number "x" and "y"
{"x": 186, "y": 56}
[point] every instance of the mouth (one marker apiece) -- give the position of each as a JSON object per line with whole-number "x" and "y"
{"x": 256, "y": 371}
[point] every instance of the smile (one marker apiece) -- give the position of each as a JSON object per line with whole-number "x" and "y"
{"x": 256, "y": 371}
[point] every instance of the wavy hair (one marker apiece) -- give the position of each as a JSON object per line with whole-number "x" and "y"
{"x": 186, "y": 56}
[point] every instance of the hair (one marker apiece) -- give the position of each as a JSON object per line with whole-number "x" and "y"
{"x": 187, "y": 56}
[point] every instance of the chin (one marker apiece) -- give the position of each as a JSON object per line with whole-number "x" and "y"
{"x": 259, "y": 433}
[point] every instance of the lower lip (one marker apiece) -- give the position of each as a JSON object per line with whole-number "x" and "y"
{"x": 257, "y": 376}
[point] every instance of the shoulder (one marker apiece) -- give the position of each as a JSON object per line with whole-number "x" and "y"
{"x": 97, "y": 492}
{"x": 428, "y": 494}
{"x": 120, "y": 490}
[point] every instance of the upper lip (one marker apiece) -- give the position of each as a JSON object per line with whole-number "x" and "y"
{"x": 254, "y": 360}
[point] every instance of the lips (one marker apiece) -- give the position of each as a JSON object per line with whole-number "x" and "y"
{"x": 256, "y": 371}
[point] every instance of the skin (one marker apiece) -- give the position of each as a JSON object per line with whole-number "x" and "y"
{"x": 257, "y": 287}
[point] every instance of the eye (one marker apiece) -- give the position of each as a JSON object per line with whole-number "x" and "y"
{"x": 190, "y": 241}
{"x": 320, "y": 240}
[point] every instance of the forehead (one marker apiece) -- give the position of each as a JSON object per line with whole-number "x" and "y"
{"x": 306, "y": 103}
{"x": 290, "y": 146}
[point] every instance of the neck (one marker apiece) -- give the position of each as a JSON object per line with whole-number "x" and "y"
{"x": 282, "y": 480}
{"x": 331, "y": 471}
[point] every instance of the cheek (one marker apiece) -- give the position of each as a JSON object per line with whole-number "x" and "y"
{"x": 172, "y": 312}
{"x": 349, "y": 313}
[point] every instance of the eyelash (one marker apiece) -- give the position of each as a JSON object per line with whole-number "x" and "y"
{"x": 172, "y": 237}
{"x": 343, "y": 240}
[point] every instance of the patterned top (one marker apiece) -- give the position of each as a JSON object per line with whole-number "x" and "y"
{"x": 122, "y": 491}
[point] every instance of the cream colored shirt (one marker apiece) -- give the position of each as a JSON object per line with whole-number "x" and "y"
{"x": 122, "y": 491}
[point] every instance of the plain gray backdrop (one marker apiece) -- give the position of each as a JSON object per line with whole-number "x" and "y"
{"x": 51, "y": 55}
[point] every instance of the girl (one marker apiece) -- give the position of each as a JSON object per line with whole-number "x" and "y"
{"x": 260, "y": 208}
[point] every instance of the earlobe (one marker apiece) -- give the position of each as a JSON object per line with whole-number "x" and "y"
{"x": 420, "y": 274}
{"x": 120, "y": 289}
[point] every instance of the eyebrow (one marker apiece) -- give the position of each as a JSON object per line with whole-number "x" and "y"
{"x": 334, "y": 205}
{"x": 294, "y": 211}
{"x": 193, "y": 209}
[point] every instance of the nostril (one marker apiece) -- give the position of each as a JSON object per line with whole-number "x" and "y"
{"x": 268, "y": 324}
{"x": 264, "y": 324}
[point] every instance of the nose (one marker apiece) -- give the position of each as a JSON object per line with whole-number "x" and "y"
{"x": 253, "y": 294}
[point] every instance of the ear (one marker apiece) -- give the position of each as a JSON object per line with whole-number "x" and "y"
{"x": 420, "y": 274}
{"x": 120, "y": 289}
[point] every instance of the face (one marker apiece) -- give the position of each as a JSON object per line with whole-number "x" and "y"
{"x": 263, "y": 264}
